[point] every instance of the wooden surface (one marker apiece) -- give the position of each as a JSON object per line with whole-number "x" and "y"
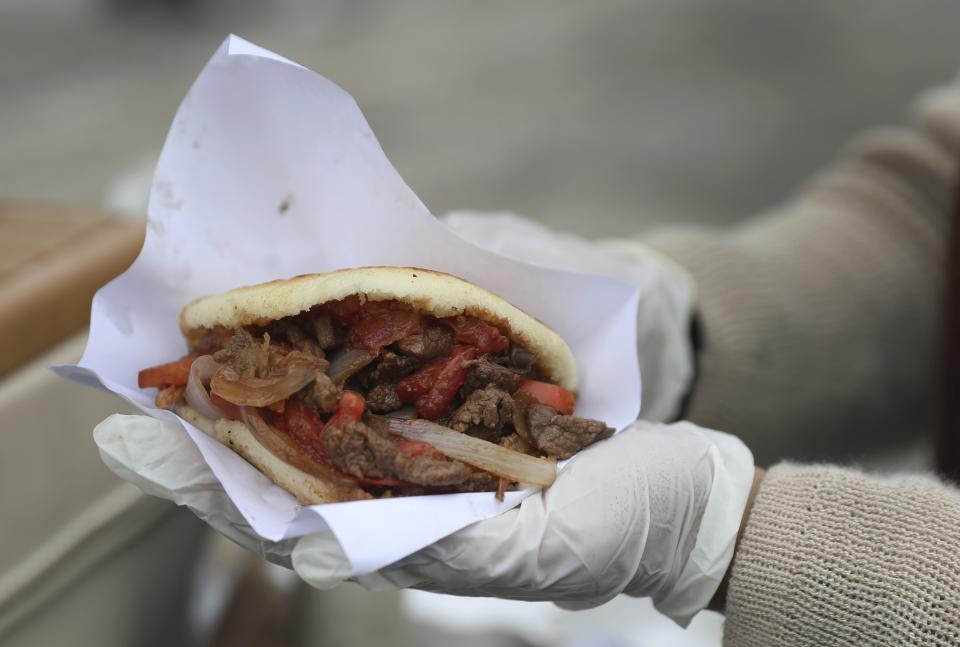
{"x": 53, "y": 258}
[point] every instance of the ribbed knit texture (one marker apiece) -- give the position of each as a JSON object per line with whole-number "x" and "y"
{"x": 820, "y": 323}
{"x": 834, "y": 557}
{"x": 820, "y": 318}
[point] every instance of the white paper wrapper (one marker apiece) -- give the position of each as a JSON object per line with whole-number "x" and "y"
{"x": 270, "y": 171}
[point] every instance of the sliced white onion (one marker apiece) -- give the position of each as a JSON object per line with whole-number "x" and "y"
{"x": 201, "y": 370}
{"x": 408, "y": 412}
{"x": 291, "y": 374}
{"x": 346, "y": 362}
{"x": 473, "y": 451}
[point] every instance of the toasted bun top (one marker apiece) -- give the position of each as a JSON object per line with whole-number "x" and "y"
{"x": 435, "y": 293}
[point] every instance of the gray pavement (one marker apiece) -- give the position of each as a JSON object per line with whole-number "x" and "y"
{"x": 601, "y": 116}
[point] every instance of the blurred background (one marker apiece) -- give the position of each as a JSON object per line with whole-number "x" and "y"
{"x": 603, "y": 118}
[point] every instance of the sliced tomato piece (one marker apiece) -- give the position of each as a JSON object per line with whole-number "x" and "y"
{"x": 170, "y": 374}
{"x": 419, "y": 383}
{"x": 303, "y": 424}
{"x": 229, "y": 410}
{"x": 434, "y": 386}
{"x": 479, "y": 334}
{"x": 377, "y": 327}
{"x": 555, "y": 397}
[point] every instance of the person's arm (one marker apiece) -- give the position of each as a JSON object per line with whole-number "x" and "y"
{"x": 819, "y": 320}
{"x": 832, "y": 556}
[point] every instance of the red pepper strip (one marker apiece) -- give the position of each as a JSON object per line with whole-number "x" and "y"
{"x": 229, "y": 410}
{"x": 434, "y": 386}
{"x": 349, "y": 409}
{"x": 171, "y": 374}
{"x": 555, "y": 397}
{"x": 381, "y": 326}
{"x": 479, "y": 334}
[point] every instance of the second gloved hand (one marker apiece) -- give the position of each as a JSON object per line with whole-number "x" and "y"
{"x": 651, "y": 512}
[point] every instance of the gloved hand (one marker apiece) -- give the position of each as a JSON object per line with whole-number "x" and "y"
{"x": 161, "y": 459}
{"x": 667, "y": 292}
{"x": 652, "y": 512}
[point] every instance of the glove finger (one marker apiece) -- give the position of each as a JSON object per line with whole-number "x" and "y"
{"x": 581, "y": 539}
{"x": 580, "y": 542}
{"x": 161, "y": 459}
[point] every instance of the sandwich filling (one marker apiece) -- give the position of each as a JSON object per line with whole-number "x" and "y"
{"x": 325, "y": 391}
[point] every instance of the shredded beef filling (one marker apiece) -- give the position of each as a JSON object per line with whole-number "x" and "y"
{"x": 485, "y": 403}
{"x": 383, "y": 398}
{"x": 391, "y": 367}
{"x": 518, "y": 359}
{"x": 433, "y": 342}
{"x": 562, "y": 436}
{"x": 322, "y": 395}
{"x": 361, "y": 451}
{"x": 485, "y": 413}
{"x": 241, "y": 353}
{"x": 289, "y": 329}
{"x": 485, "y": 372}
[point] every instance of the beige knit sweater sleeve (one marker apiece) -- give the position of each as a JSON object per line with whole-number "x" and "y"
{"x": 834, "y": 557}
{"x": 819, "y": 319}
{"x": 819, "y": 324}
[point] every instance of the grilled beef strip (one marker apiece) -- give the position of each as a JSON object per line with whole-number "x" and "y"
{"x": 562, "y": 436}
{"x": 361, "y": 451}
{"x": 433, "y": 342}
{"x": 391, "y": 367}
{"x": 484, "y": 414}
{"x": 484, "y": 373}
{"x": 518, "y": 359}
{"x": 383, "y": 398}
{"x": 289, "y": 328}
{"x": 241, "y": 353}
{"x": 322, "y": 395}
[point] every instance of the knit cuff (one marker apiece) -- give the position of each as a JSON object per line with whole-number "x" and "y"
{"x": 831, "y": 556}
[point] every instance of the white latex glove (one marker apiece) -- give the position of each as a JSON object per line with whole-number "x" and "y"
{"x": 667, "y": 292}
{"x": 651, "y": 512}
{"x": 161, "y": 459}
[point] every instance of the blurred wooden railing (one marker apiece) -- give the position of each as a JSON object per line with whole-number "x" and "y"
{"x": 53, "y": 258}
